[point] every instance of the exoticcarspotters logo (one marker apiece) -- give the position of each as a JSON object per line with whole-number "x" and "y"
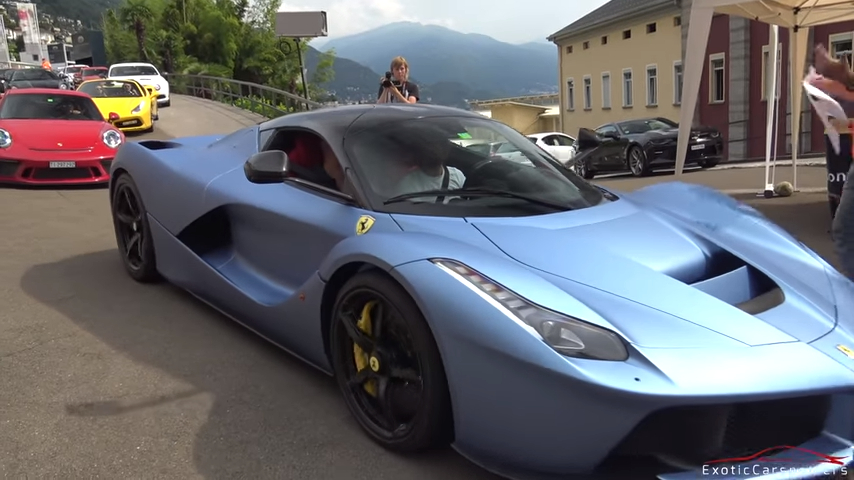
{"x": 781, "y": 462}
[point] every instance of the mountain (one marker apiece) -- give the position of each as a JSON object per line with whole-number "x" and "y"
{"x": 353, "y": 82}
{"x": 476, "y": 63}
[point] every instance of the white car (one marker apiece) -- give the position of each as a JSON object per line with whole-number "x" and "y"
{"x": 560, "y": 145}
{"x": 147, "y": 75}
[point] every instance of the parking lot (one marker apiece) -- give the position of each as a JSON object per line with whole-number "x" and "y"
{"x": 105, "y": 378}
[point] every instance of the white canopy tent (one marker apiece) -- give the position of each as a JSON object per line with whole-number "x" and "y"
{"x": 797, "y": 16}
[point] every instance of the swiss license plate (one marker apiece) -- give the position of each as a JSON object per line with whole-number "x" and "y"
{"x": 697, "y": 147}
{"x": 63, "y": 164}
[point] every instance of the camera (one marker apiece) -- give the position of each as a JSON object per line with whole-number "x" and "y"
{"x": 388, "y": 83}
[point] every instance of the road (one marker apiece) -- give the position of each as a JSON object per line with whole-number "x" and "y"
{"x": 106, "y": 378}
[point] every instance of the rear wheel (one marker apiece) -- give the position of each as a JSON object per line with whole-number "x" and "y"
{"x": 133, "y": 232}
{"x": 637, "y": 162}
{"x": 388, "y": 366}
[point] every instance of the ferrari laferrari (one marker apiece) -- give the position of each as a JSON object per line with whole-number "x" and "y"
{"x": 542, "y": 325}
{"x": 126, "y": 103}
{"x": 50, "y": 136}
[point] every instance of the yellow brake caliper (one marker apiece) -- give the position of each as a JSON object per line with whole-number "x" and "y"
{"x": 361, "y": 356}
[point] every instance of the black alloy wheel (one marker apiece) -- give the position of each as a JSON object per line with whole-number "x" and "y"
{"x": 133, "y": 235}
{"x": 388, "y": 366}
{"x": 637, "y": 161}
{"x": 582, "y": 170}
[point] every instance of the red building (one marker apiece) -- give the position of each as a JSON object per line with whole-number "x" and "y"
{"x": 732, "y": 93}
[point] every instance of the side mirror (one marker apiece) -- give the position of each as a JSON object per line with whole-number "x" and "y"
{"x": 587, "y": 139}
{"x": 113, "y": 117}
{"x": 267, "y": 167}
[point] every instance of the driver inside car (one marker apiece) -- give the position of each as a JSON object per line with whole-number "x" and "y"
{"x": 428, "y": 152}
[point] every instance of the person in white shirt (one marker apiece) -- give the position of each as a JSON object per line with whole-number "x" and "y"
{"x": 431, "y": 173}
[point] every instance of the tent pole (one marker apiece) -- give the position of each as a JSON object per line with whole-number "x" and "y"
{"x": 771, "y": 85}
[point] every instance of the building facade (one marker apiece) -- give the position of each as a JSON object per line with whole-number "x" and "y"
{"x": 624, "y": 61}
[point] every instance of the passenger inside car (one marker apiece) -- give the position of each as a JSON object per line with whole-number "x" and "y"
{"x": 428, "y": 152}
{"x": 310, "y": 158}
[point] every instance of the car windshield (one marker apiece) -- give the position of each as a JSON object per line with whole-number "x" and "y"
{"x": 73, "y": 69}
{"x": 93, "y": 71}
{"x": 41, "y": 106}
{"x": 29, "y": 74}
{"x": 111, "y": 89}
{"x": 132, "y": 71}
{"x": 486, "y": 167}
{"x": 643, "y": 126}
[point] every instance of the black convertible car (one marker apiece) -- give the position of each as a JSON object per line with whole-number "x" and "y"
{"x": 641, "y": 146}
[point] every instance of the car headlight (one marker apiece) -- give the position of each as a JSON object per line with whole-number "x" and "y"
{"x": 5, "y": 139}
{"x": 566, "y": 335}
{"x": 63, "y": 86}
{"x": 112, "y": 138}
{"x": 138, "y": 107}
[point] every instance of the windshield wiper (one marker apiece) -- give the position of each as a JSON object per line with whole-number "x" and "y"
{"x": 476, "y": 192}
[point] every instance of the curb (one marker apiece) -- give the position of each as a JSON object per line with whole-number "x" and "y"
{"x": 786, "y": 163}
{"x": 747, "y": 191}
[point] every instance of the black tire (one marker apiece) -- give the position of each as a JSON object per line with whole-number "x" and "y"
{"x": 636, "y": 160}
{"x": 430, "y": 424}
{"x": 583, "y": 171}
{"x": 709, "y": 163}
{"x": 133, "y": 231}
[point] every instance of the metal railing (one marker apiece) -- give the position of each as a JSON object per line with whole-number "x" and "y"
{"x": 266, "y": 101}
{"x": 19, "y": 65}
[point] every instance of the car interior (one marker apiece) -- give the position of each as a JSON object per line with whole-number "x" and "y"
{"x": 305, "y": 156}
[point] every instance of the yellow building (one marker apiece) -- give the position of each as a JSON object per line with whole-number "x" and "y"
{"x": 528, "y": 114}
{"x": 619, "y": 62}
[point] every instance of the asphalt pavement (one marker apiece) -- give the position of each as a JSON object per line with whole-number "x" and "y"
{"x": 101, "y": 377}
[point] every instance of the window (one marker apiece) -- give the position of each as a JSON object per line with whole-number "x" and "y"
{"x": 627, "y": 87}
{"x": 841, "y": 46}
{"x": 606, "y": 90}
{"x": 607, "y": 130}
{"x": 651, "y": 85}
{"x": 677, "y": 82}
{"x": 605, "y": 40}
{"x": 627, "y": 34}
{"x": 588, "y": 92}
{"x": 717, "y": 78}
{"x": 677, "y": 21}
{"x": 568, "y": 49}
{"x": 570, "y": 94}
{"x": 650, "y": 27}
{"x": 766, "y": 69}
{"x": 585, "y": 45}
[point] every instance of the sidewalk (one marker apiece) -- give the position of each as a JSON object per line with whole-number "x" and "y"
{"x": 741, "y": 180}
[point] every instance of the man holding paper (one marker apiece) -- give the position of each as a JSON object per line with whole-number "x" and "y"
{"x": 836, "y": 79}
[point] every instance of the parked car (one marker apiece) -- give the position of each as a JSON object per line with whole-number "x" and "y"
{"x": 559, "y": 145}
{"x": 642, "y": 146}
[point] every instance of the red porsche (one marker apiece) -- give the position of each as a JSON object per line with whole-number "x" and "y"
{"x": 54, "y": 137}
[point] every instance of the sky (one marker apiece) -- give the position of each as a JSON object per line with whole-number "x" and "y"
{"x": 512, "y": 22}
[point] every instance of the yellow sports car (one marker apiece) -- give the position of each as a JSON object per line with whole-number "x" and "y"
{"x": 124, "y": 103}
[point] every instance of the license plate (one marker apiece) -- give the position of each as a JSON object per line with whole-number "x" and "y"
{"x": 125, "y": 124}
{"x": 697, "y": 147}
{"x": 63, "y": 164}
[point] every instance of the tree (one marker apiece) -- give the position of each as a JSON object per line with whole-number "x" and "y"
{"x": 227, "y": 38}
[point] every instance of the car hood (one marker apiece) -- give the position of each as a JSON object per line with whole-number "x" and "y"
{"x": 119, "y": 105}
{"x": 66, "y": 135}
{"x": 639, "y": 251}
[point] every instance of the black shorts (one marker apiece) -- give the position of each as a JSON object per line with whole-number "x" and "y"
{"x": 837, "y": 164}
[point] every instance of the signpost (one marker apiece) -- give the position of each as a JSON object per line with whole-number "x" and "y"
{"x": 299, "y": 25}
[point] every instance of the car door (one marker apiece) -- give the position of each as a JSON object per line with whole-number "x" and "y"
{"x": 610, "y": 147}
{"x": 562, "y": 147}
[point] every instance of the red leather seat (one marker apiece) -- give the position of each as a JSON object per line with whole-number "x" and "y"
{"x": 306, "y": 154}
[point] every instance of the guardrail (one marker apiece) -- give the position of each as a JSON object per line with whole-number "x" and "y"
{"x": 263, "y": 100}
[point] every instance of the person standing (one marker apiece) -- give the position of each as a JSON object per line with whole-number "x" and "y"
{"x": 838, "y": 164}
{"x": 839, "y": 86}
{"x": 46, "y": 64}
{"x": 398, "y": 88}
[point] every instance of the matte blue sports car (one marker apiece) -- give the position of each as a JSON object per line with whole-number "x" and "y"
{"x": 540, "y": 324}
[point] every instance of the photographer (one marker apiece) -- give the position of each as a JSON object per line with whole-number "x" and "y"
{"x": 395, "y": 87}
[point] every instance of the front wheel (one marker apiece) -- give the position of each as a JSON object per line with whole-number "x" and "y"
{"x": 388, "y": 366}
{"x": 133, "y": 232}
{"x": 637, "y": 162}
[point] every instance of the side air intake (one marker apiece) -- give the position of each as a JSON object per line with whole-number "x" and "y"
{"x": 159, "y": 144}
